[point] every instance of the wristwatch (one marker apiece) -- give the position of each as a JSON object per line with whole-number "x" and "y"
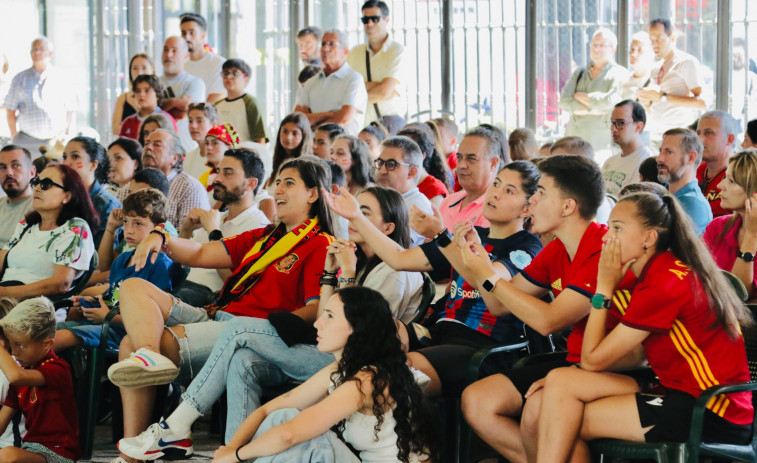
{"x": 598, "y": 301}
{"x": 215, "y": 235}
{"x": 664, "y": 96}
{"x": 490, "y": 282}
{"x": 443, "y": 239}
{"x": 745, "y": 256}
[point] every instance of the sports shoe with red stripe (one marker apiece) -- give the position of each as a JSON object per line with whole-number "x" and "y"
{"x": 143, "y": 368}
{"x": 157, "y": 442}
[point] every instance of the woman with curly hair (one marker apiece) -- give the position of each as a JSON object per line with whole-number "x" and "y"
{"x": 368, "y": 396}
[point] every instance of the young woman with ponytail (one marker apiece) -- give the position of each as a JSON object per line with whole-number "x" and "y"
{"x": 682, "y": 311}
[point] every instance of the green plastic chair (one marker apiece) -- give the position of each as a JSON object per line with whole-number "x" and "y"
{"x": 737, "y": 285}
{"x": 693, "y": 448}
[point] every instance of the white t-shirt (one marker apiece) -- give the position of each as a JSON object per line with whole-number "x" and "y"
{"x": 35, "y": 255}
{"x": 250, "y": 219}
{"x": 402, "y": 290}
{"x": 11, "y": 214}
{"x": 415, "y": 197}
{"x": 619, "y": 171}
{"x": 208, "y": 68}
{"x": 195, "y": 163}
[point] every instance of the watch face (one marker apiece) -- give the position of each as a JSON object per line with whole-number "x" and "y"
{"x": 488, "y": 285}
{"x": 597, "y": 301}
{"x": 747, "y": 256}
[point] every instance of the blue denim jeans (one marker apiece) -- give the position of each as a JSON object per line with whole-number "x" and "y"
{"x": 248, "y": 355}
{"x": 326, "y": 448}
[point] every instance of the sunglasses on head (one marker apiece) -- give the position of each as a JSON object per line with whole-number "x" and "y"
{"x": 45, "y": 184}
{"x": 367, "y": 19}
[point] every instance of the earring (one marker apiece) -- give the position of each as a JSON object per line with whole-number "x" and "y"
{"x": 645, "y": 248}
{"x": 562, "y": 215}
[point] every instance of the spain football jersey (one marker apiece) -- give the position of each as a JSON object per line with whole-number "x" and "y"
{"x": 684, "y": 349}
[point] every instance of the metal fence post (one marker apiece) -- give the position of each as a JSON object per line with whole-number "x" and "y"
{"x": 724, "y": 56}
{"x": 530, "y": 71}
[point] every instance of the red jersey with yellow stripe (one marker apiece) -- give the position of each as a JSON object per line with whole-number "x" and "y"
{"x": 684, "y": 349}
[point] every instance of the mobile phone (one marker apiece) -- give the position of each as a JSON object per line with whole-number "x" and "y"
{"x": 87, "y": 303}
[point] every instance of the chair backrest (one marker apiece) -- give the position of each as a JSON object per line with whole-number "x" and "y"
{"x": 429, "y": 291}
{"x": 749, "y": 332}
{"x": 737, "y": 285}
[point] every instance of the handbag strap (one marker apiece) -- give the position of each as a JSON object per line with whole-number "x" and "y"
{"x": 368, "y": 71}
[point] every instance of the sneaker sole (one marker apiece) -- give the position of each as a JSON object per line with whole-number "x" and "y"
{"x": 134, "y": 376}
{"x": 168, "y": 453}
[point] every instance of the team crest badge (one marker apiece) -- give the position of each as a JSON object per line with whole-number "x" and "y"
{"x": 285, "y": 265}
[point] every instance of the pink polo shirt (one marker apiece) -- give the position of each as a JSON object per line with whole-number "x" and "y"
{"x": 724, "y": 249}
{"x": 452, "y": 213}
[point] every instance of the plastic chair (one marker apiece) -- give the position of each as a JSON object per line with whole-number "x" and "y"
{"x": 429, "y": 291}
{"x": 737, "y": 285}
{"x": 693, "y": 448}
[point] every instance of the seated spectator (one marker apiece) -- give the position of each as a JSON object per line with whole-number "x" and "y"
{"x": 397, "y": 168}
{"x": 570, "y": 191}
{"x": 239, "y": 180}
{"x": 126, "y": 103}
{"x": 523, "y": 145}
{"x": 466, "y": 324}
{"x": 87, "y": 158}
{"x": 201, "y": 117}
{"x": 337, "y": 94}
{"x": 627, "y": 122}
{"x": 352, "y": 155}
{"x": 648, "y": 170}
{"x": 717, "y": 130}
{"x": 124, "y": 160}
{"x": 239, "y": 108}
{"x": 218, "y": 139}
{"x": 679, "y": 299}
{"x": 164, "y": 152}
{"x": 680, "y": 154}
{"x": 148, "y": 92}
{"x": 373, "y": 134}
{"x": 305, "y": 225}
{"x": 293, "y": 140}
{"x": 143, "y": 211}
{"x": 545, "y": 150}
{"x": 16, "y": 173}
{"x": 432, "y": 174}
{"x": 356, "y": 327}
{"x": 750, "y": 136}
{"x": 41, "y": 387}
{"x": 448, "y": 130}
{"x": 8, "y": 437}
{"x": 53, "y": 245}
{"x": 732, "y": 239}
{"x": 324, "y": 137}
{"x": 153, "y": 123}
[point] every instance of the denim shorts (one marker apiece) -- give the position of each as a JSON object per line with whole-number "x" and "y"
{"x": 90, "y": 333}
{"x": 200, "y": 335}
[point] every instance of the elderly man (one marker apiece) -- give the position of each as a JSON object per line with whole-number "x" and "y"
{"x": 163, "y": 151}
{"x": 202, "y": 63}
{"x": 182, "y": 88}
{"x": 680, "y": 154}
{"x": 337, "y": 93}
{"x": 381, "y": 62}
{"x": 717, "y": 130}
{"x": 16, "y": 171}
{"x": 674, "y": 96}
{"x": 38, "y": 103}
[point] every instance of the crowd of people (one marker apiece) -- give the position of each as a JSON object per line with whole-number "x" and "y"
{"x": 236, "y": 270}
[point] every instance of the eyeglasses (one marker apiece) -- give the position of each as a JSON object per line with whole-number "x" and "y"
{"x": 390, "y": 164}
{"x": 330, "y": 44}
{"x": 367, "y": 19}
{"x": 233, "y": 74}
{"x": 618, "y": 124}
{"x": 45, "y": 184}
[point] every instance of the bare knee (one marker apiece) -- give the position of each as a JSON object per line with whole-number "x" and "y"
{"x": 495, "y": 395}
{"x": 529, "y": 422}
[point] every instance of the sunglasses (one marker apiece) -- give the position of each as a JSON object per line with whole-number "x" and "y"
{"x": 45, "y": 184}
{"x": 390, "y": 164}
{"x": 367, "y": 19}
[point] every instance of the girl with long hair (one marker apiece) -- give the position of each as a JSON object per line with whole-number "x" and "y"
{"x": 732, "y": 239}
{"x": 126, "y": 104}
{"x": 353, "y": 156}
{"x": 367, "y": 396}
{"x": 681, "y": 310}
{"x": 294, "y": 139}
{"x": 373, "y": 134}
{"x": 124, "y": 160}
{"x": 466, "y": 324}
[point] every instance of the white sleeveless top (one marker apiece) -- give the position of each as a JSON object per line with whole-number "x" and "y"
{"x": 359, "y": 432}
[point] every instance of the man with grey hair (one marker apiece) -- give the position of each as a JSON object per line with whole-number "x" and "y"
{"x": 163, "y": 151}
{"x": 182, "y": 88}
{"x": 397, "y": 168}
{"x": 39, "y": 104}
{"x": 680, "y": 154}
{"x": 717, "y": 130}
{"x": 591, "y": 92}
{"x": 337, "y": 93}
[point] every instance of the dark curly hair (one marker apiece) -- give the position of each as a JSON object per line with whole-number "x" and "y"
{"x": 374, "y": 347}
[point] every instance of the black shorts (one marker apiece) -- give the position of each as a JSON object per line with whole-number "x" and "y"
{"x": 523, "y": 378}
{"x": 671, "y": 417}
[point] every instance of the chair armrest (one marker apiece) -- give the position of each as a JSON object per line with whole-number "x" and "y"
{"x": 474, "y": 364}
{"x": 540, "y": 358}
{"x": 697, "y": 415}
{"x": 106, "y": 327}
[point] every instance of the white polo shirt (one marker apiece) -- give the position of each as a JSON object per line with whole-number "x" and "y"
{"x": 343, "y": 87}
{"x": 389, "y": 61}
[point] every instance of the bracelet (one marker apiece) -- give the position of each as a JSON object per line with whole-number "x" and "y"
{"x": 160, "y": 229}
{"x": 236, "y": 453}
{"x": 161, "y": 235}
{"x": 348, "y": 281}
{"x": 327, "y": 281}
{"x": 326, "y": 273}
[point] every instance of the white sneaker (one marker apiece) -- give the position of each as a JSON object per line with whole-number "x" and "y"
{"x": 143, "y": 368}
{"x": 118, "y": 460}
{"x": 157, "y": 442}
